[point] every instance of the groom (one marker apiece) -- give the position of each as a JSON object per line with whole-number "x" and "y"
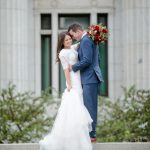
{"x": 91, "y": 76}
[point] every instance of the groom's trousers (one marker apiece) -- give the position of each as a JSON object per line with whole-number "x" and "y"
{"x": 90, "y": 96}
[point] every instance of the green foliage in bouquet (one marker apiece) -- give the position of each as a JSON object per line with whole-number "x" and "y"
{"x": 127, "y": 119}
{"x": 23, "y": 116}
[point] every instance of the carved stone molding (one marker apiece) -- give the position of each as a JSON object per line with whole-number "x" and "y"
{"x": 54, "y": 3}
{"x": 93, "y": 2}
{"x": 46, "y": 3}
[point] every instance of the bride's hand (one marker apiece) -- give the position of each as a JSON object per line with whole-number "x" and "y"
{"x": 69, "y": 87}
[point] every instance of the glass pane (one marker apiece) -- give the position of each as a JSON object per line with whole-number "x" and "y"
{"x": 103, "y": 49}
{"x": 66, "y": 20}
{"x": 46, "y": 61}
{"x": 102, "y": 18}
{"x": 104, "y": 68}
{"x": 45, "y": 21}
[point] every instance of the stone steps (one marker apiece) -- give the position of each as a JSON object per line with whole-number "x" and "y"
{"x": 97, "y": 146}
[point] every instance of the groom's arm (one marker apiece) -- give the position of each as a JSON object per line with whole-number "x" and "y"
{"x": 87, "y": 51}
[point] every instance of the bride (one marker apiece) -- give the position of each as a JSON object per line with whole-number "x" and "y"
{"x": 73, "y": 122}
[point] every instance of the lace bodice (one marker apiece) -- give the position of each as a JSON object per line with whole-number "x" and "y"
{"x": 70, "y": 56}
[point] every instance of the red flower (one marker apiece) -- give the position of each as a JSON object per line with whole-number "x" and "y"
{"x": 104, "y": 30}
{"x": 97, "y": 28}
{"x": 98, "y": 33}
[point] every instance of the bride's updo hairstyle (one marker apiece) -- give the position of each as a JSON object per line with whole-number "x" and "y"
{"x": 60, "y": 45}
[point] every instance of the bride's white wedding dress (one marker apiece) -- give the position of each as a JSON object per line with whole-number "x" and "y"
{"x": 73, "y": 122}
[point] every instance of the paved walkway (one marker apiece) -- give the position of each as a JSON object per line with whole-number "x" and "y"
{"x": 98, "y": 146}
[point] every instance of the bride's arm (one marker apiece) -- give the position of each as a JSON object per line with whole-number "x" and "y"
{"x": 65, "y": 65}
{"x": 67, "y": 75}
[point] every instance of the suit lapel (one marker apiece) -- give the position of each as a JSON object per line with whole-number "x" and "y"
{"x": 79, "y": 50}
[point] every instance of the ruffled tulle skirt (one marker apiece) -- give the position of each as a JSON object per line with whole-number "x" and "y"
{"x": 71, "y": 127}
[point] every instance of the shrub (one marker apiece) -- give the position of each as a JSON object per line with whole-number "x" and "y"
{"x": 23, "y": 115}
{"x": 127, "y": 119}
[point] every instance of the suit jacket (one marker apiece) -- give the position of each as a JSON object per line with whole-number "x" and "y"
{"x": 88, "y": 54}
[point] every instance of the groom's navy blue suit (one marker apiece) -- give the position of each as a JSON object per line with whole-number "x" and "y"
{"x": 91, "y": 76}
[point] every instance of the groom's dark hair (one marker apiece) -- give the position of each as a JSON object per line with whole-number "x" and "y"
{"x": 74, "y": 27}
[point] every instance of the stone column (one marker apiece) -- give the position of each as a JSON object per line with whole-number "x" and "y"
{"x": 136, "y": 32}
{"x": 55, "y": 66}
{"x": 16, "y": 44}
{"x": 131, "y": 44}
{"x": 117, "y": 54}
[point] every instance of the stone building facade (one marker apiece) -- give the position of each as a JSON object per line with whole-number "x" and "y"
{"x": 28, "y": 41}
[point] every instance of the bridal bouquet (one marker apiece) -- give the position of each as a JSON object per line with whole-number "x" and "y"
{"x": 98, "y": 33}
